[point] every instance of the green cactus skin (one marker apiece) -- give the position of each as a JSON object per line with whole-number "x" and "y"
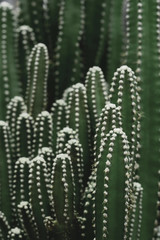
{"x": 67, "y": 54}
{"x": 34, "y": 15}
{"x": 8, "y": 57}
{"x": 48, "y": 155}
{"x": 53, "y": 14}
{"x": 42, "y": 136}
{"x": 6, "y": 167}
{"x": 133, "y": 35}
{"x": 136, "y": 218}
{"x": 78, "y": 118}
{"x": 63, "y": 137}
{"x": 75, "y": 152}
{"x": 4, "y": 226}
{"x": 27, "y": 220}
{"x": 156, "y": 235}
{"x": 24, "y": 136}
{"x": 20, "y": 183}
{"x": 40, "y": 193}
{"x": 58, "y": 113}
{"x": 142, "y": 55}
{"x": 124, "y": 93}
{"x": 97, "y": 16}
{"x": 115, "y": 38}
{"x": 26, "y": 41}
{"x": 63, "y": 192}
{"x": 38, "y": 64}
{"x": 15, "y": 107}
{"x": 111, "y": 200}
{"x": 96, "y": 89}
{"x": 15, "y": 234}
{"x": 109, "y": 119}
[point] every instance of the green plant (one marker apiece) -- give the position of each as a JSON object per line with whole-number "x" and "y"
{"x": 79, "y": 151}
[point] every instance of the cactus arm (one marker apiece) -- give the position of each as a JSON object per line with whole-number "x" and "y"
{"x": 39, "y": 189}
{"x": 78, "y": 118}
{"x": 142, "y": 54}
{"x": 96, "y": 89}
{"x": 63, "y": 137}
{"x": 67, "y": 56}
{"x": 124, "y": 93}
{"x": 112, "y": 199}
{"x": 53, "y": 7}
{"x": 4, "y": 226}
{"x": 33, "y": 14}
{"x": 109, "y": 119}
{"x": 58, "y": 113}
{"x": 38, "y": 64}
{"x": 42, "y": 136}
{"x": 20, "y": 183}
{"x": 8, "y": 57}
{"x": 26, "y": 41}
{"x": 88, "y": 201}
{"x": 115, "y": 39}
{"x": 6, "y": 167}
{"x": 48, "y": 155}
{"x": 75, "y": 152}
{"x": 27, "y": 220}
{"x": 63, "y": 192}
{"x": 15, "y": 107}
{"x": 24, "y": 135}
{"x": 156, "y": 235}
{"x": 136, "y": 218}
{"x": 97, "y": 13}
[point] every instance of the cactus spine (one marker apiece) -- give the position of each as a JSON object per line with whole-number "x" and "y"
{"x": 86, "y": 165}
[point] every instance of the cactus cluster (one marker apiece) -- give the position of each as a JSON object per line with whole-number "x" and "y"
{"x": 80, "y": 120}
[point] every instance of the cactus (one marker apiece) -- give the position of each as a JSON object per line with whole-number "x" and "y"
{"x": 26, "y": 41}
{"x": 67, "y": 55}
{"x": 6, "y": 169}
{"x": 79, "y": 156}
{"x": 142, "y": 55}
{"x": 8, "y": 57}
{"x": 113, "y": 168}
{"x": 37, "y": 80}
{"x": 97, "y": 13}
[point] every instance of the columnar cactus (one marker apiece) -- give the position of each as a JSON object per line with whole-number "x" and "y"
{"x": 38, "y": 64}
{"x": 86, "y": 165}
{"x": 6, "y": 168}
{"x": 142, "y": 55}
{"x": 26, "y": 41}
{"x": 113, "y": 168}
{"x": 8, "y": 57}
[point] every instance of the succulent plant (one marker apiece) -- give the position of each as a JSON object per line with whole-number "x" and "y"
{"x": 79, "y": 120}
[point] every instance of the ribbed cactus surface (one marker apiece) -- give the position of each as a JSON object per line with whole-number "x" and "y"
{"x": 79, "y": 120}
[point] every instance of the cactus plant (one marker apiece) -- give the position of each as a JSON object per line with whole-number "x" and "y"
{"x": 79, "y": 148}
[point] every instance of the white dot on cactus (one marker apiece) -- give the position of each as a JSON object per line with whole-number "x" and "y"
{"x": 61, "y": 102}
{"x": 118, "y": 130}
{"x": 137, "y": 186}
{"x": 23, "y": 160}
{"x": 23, "y": 204}
{"x": 16, "y": 230}
{"x": 25, "y": 28}
{"x": 45, "y": 114}
{"x": 24, "y": 115}
{"x": 62, "y": 156}
{"x": 110, "y": 105}
{"x": 2, "y": 123}
{"x": 125, "y": 68}
{"x": 5, "y": 5}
